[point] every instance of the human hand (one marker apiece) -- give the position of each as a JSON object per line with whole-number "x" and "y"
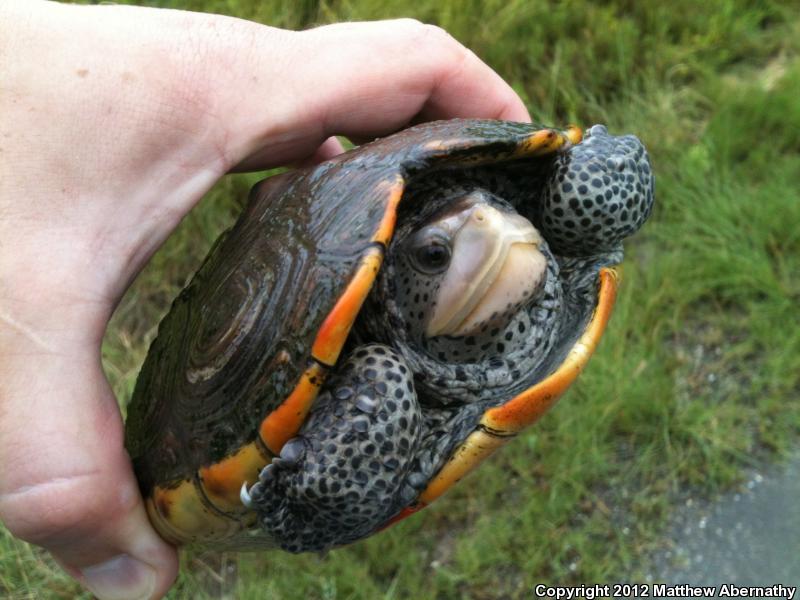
{"x": 114, "y": 121}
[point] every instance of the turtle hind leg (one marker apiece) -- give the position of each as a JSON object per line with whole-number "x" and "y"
{"x": 601, "y": 192}
{"x": 345, "y": 473}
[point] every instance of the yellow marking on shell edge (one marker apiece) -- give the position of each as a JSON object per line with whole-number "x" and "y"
{"x": 180, "y": 515}
{"x": 284, "y": 422}
{"x": 574, "y": 134}
{"x": 528, "y": 406}
{"x": 337, "y": 324}
{"x": 223, "y": 481}
{"x": 544, "y": 141}
{"x": 478, "y": 446}
{"x": 434, "y": 146}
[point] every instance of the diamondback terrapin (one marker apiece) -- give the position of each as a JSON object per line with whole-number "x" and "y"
{"x": 371, "y": 328}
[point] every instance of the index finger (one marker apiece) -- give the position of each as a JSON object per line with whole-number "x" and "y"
{"x": 363, "y": 80}
{"x": 406, "y": 65}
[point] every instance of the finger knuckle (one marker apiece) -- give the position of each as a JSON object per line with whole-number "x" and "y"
{"x": 408, "y": 23}
{"x": 62, "y": 509}
{"x": 421, "y": 32}
{"x": 441, "y": 46}
{"x": 435, "y": 35}
{"x": 438, "y": 33}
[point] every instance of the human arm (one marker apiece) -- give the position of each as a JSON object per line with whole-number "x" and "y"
{"x": 114, "y": 122}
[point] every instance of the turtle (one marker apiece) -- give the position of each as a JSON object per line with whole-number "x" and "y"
{"x": 373, "y": 327}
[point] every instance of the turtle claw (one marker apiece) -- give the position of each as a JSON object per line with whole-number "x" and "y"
{"x": 245, "y": 497}
{"x": 255, "y": 494}
{"x": 267, "y": 473}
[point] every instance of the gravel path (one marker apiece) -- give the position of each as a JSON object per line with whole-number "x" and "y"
{"x": 747, "y": 538}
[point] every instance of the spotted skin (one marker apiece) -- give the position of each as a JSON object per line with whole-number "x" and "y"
{"x": 347, "y": 471}
{"x": 371, "y": 444}
{"x": 399, "y": 403}
{"x": 478, "y": 367}
{"x": 508, "y": 333}
{"x": 600, "y": 193}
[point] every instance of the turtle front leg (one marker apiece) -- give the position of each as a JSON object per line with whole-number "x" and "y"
{"x": 601, "y": 192}
{"x": 346, "y": 472}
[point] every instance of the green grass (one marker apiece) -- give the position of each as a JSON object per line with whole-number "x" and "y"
{"x": 697, "y": 377}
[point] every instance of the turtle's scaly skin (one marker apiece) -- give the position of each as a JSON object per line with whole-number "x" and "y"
{"x": 248, "y": 345}
{"x": 341, "y": 476}
{"x": 599, "y": 194}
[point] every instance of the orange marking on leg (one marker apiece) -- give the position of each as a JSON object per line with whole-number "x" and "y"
{"x": 336, "y": 327}
{"x": 285, "y": 421}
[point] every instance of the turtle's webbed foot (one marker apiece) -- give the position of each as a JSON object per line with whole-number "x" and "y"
{"x": 601, "y": 192}
{"x": 292, "y": 454}
{"x": 344, "y": 474}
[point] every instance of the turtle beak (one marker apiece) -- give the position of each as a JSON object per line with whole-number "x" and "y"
{"x": 496, "y": 265}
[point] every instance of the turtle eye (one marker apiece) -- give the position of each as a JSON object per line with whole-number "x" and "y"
{"x": 430, "y": 254}
{"x": 433, "y": 257}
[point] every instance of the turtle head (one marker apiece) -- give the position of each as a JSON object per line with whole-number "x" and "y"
{"x": 468, "y": 267}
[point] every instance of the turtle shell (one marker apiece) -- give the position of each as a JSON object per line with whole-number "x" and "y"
{"x": 246, "y": 346}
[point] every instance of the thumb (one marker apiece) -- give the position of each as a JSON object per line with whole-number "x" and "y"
{"x": 66, "y": 483}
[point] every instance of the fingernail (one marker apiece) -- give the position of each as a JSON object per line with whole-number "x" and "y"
{"x": 120, "y": 578}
